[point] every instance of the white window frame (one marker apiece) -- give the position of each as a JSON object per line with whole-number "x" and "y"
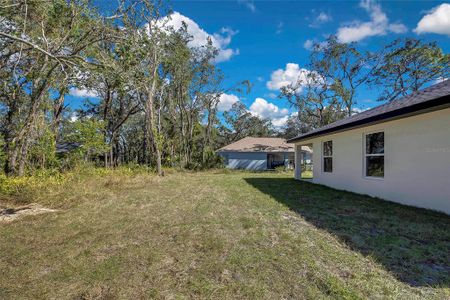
{"x": 327, "y": 156}
{"x": 365, "y": 155}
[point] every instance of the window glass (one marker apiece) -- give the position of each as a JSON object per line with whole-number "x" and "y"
{"x": 328, "y": 156}
{"x": 328, "y": 148}
{"x": 375, "y": 143}
{"x": 375, "y": 166}
{"x": 374, "y": 156}
{"x": 328, "y": 164}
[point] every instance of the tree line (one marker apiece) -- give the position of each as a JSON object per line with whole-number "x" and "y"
{"x": 156, "y": 95}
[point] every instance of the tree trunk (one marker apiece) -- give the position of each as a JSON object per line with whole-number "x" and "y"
{"x": 22, "y": 138}
{"x": 150, "y": 118}
{"x": 58, "y": 107}
{"x": 12, "y": 152}
{"x": 145, "y": 147}
{"x": 111, "y": 156}
{"x": 207, "y": 137}
{"x": 23, "y": 157}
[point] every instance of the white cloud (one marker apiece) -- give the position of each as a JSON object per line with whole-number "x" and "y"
{"x": 440, "y": 79}
{"x": 200, "y": 37}
{"x": 272, "y": 95}
{"x": 309, "y": 44}
{"x": 280, "y": 122}
{"x": 279, "y": 27}
{"x": 320, "y": 19}
{"x": 73, "y": 117}
{"x": 358, "y": 32}
{"x": 378, "y": 25}
{"x": 249, "y": 4}
{"x": 397, "y": 28}
{"x": 82, "y": 93}
{"x": 323, "y": 17}
{"x": 436, "y": 21}
{"x": 357, "y": 110}
{"x": 293, "y": 74}
{"x": 226, "y": 102}
{"x": 265, "y": 110}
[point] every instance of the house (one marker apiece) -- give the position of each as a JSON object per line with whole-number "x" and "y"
{"x": 260, "y": 153}
{"x": 399, "y": 151}
{"x": 66, "y": 148}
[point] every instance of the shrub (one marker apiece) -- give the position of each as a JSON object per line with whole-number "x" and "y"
{"x": 42, "y": 152}
{"x": 280, "y": 169}
{"x": 25, "y": 187}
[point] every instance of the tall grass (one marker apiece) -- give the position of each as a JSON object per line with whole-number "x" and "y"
{"x": 35, "y": 186}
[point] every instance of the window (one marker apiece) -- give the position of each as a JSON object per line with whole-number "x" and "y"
{"x": 374, "y": 155}
{"x": 328, "y": 156}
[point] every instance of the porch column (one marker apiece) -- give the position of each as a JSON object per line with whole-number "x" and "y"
{"x": 286, "y": 161}
{"x": 298, "y": 162}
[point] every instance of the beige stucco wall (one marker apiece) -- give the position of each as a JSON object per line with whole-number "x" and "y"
{"x": 417, "y": 161}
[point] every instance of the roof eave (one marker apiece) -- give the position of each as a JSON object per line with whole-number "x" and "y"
{"x": 262, "y": 151}
{"x": 404, "y": 112}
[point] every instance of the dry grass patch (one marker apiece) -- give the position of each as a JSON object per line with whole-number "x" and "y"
{"x": 209, "y": 235}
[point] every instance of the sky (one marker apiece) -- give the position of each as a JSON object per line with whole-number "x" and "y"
{"x": 268, "y": 42}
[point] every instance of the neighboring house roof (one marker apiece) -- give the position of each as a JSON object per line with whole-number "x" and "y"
{"x": 63, "y": 148}
{"x": 432, "y": 98}
{"x": 258, "y": 144}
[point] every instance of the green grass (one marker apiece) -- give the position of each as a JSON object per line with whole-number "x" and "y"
{"x": 220, "y": 235}
{"x": 307, "y": 174}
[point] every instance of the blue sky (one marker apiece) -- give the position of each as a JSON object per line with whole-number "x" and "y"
{"x": 258, "y": 38}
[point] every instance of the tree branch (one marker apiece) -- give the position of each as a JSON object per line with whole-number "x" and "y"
{"x": 18, "y": 39}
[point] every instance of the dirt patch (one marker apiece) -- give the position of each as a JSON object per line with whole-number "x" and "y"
{"x": 9, "y": 214}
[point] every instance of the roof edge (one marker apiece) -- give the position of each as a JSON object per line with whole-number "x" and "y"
{"x": 259, "y": 151}
{"x": 404, "y": 112}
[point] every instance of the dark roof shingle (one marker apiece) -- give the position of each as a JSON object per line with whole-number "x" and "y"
{"x": 432, "y": 97}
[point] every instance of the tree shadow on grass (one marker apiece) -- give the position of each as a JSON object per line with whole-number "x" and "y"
{"x": 412, "y": 243}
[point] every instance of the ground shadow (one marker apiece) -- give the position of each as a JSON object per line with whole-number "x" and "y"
{"x": 411, "y": 243}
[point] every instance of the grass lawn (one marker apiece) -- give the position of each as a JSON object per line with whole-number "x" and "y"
{"x": 307, "y": 174}
{"x": 221, "y": 235}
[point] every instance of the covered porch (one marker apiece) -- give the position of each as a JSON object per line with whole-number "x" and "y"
{"x": 280, "y": 159}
